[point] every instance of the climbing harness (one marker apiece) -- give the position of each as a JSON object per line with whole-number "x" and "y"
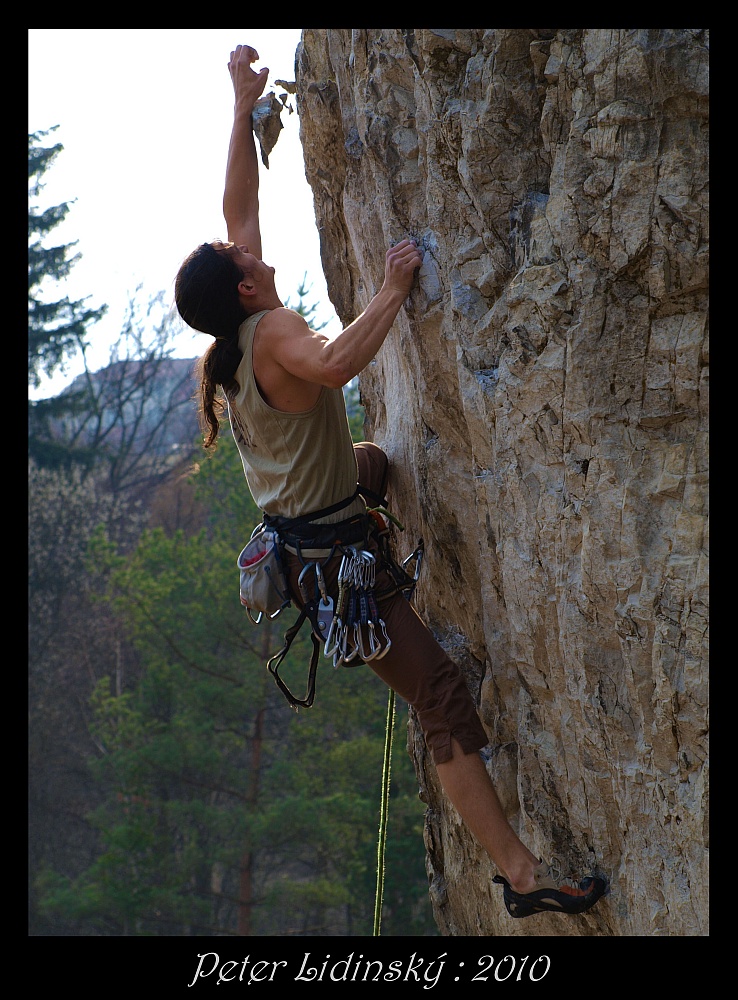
{"x": 350, "y": 630}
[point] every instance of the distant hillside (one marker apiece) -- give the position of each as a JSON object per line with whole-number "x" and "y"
{"x": 151, "y": 399}
{"x": 157, "y": 405}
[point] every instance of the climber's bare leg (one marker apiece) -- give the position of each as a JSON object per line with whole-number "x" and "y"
{"x": 465, "y": 781}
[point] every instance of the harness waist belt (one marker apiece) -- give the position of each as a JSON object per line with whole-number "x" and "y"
{"x": 288, "y": 523}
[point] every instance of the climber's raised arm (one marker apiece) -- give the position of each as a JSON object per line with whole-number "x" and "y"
{"x": 241, "y": 194}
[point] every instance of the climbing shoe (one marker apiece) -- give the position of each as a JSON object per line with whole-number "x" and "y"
{"x": 553, "y": 894}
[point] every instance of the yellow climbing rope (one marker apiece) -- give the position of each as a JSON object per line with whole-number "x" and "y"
{"x": 383, "y": 812}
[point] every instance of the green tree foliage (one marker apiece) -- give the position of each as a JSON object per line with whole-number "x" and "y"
{"x": 354, "y": 410}
{"x": 57, "y": 327}
{"x": 72, "y": 644}
{"x": 307, "y": 311}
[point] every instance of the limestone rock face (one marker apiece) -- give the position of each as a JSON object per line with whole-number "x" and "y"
{"x": 543, "y": 399}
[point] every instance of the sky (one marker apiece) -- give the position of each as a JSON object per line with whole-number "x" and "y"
{"x": 145, "y": 117}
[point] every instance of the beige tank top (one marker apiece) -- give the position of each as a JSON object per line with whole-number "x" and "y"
{"x": 294, "y": 463}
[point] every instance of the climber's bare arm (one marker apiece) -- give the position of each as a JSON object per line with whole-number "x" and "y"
{"x": 292, "y": 362}
{"x": 241, "y": 194}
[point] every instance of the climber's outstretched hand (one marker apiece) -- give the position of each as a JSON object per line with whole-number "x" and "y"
{"x": 248, "y": 86}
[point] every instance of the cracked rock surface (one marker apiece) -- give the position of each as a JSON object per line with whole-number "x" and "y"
{"x": 543, "y": 400}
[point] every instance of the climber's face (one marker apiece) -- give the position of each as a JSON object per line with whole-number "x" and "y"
{"x": 248, "y": 262}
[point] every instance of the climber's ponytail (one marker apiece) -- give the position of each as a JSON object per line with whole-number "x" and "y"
{"x": 206, "y": 294}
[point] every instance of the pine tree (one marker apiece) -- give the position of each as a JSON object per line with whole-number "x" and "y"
{"x": 57, "y": 327}
{"x": 306, "y": 311}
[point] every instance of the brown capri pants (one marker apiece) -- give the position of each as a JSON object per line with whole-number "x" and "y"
{"x": 415, "y": 666}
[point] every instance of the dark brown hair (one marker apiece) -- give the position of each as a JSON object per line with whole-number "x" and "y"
{"x": 206, "y": 294}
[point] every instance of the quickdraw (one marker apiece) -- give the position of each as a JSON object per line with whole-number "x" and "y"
{"x": 356, "y": 628}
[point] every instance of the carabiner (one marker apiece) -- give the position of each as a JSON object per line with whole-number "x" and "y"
{"x": 388, "y": 642}
{"x": 345, "y": 655}
{"x": 320, "y": 580}
{"x": 375, "y": 647}
{"x": 335, "y": 629}
{"x": 418, "y": 556}
{"x": 304, "y": 570}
